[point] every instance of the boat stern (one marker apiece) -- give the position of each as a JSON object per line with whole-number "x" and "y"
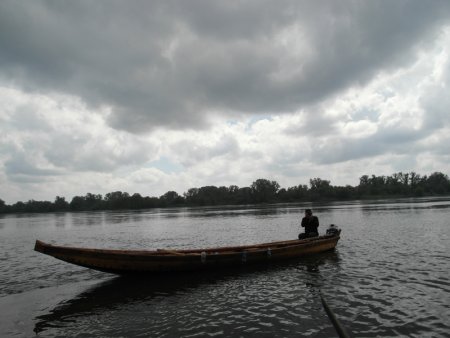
{"x": 40, "y": 246}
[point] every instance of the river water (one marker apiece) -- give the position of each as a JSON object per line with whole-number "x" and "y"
{"x": 388, "y": 277}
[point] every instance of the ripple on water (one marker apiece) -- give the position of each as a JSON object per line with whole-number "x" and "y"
{"x": 386, "y": 277}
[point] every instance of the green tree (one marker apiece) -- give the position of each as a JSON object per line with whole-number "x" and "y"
{"x": 191, "y": 196}
{"x": 2, "y": 206}
{"x": 77, "y": 203}
{"x": 60, "y": 204}
{"x": 346, "y": 192}
{"x": 364, "y": 185}
{"x": 264, "y": 190}
{"x": 151, "y": 202}
{"x": 117, "y": 200}
{"x": 171, "y": 198}
{"x": 209, "y": 195}
{"x": 136, "y": 201}
{"x": 378, "y": 185}
{"x": 244, "y": 196}
{"x": 232, "y": 195}
{"x": 298, "y": 193}
{"x": 260, "y": 191}
{"x": 438, "y": 183}
{"x": 320, "y": 188}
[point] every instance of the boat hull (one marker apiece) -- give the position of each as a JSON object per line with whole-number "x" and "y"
{"x": 166, "y": 261}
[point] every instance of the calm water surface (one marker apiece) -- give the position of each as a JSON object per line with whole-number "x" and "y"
{"x": 388, "y": 277}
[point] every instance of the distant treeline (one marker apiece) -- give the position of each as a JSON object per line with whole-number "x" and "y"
{"x": 260, "y": 191}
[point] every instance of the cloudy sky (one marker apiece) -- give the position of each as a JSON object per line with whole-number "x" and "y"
{"x": 152, "y": 96}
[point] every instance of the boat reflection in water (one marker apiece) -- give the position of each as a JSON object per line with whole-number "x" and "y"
{"x": 138, "y": 298}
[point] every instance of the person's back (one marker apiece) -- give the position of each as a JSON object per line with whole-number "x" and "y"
{"x": 310, "y": 223}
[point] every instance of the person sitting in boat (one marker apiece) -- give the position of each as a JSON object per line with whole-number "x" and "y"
{"x": 310, "y": 223}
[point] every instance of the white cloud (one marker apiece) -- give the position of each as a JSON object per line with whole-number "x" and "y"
{"x": 359, "y": 129}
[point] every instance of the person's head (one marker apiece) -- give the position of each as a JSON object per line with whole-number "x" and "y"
{"x": 308, "y": 212}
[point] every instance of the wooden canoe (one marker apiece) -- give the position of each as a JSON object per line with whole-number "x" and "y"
{"x": 164, "y": 261}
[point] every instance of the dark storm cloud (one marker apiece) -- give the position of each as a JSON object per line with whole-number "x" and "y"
{"x": 170, "y": 63}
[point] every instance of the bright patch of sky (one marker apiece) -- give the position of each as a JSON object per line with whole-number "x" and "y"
{"x": 166, "y": 165}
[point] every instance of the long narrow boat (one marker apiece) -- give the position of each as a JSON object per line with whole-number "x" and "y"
{"x": 165, "y": 261}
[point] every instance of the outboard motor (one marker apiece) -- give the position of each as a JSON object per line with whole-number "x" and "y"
{"x": 333, "y": 230}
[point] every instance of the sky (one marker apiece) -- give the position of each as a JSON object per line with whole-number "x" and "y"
{"x": 151, "y": 96}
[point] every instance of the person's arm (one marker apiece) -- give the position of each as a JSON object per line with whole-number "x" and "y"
{"x": 304, "y": 222}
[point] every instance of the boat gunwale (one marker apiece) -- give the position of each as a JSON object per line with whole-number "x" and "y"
{"x": 48, "y": 249}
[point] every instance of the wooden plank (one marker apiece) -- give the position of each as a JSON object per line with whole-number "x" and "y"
{"x": 249, "y": 247}
{"x": 170, "y": 252}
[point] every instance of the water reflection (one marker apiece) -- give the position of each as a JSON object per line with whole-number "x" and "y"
{"x": 312, "y": 264}
{"x": 60, "y": 220}
{"x": 314, "y": 279}
{"x": 125, "y": 292}
{"x": 124, "y": 217}
{"x": 85, "y": 218}
{"x": 253, "y": 210}
{"x": 116, "y": 292}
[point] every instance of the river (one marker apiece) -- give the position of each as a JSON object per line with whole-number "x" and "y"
{"x": 388, "y": 277}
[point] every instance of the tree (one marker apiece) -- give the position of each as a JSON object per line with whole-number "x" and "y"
{"x": 77, "y": 203}
{"x": 364, "y": 185}
{"x": 378, "y": 184}
{"x": 151, "y": 202}
{"x": 414, "y": 179}
{"x": 244, "y": 196}
{"x": 438, "y": 183}
{"x": 264, "y": 190}
{"x": 233, "y": 193}
{"x": 191, "y": 196}
{"x": 60, "y": 204}
{"x": 320, "y": 188}
{"x": 117, "y": 200}
{"x": 282, "y": 195}
{"x": 344, "y": 192}
{"x": 136, "y": 201}
{"x": 232, "y": 189}
{"x": 260, "y": 191}
{"x": 298, "y": 193}
{"x": 171, "y": 198}
{"x": 394, "y": 184}
{"x": 208, "y": 195}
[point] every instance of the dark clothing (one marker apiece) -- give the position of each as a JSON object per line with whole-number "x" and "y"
{"x": 310, "y": 224}
{"x": 307, "y": 235}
